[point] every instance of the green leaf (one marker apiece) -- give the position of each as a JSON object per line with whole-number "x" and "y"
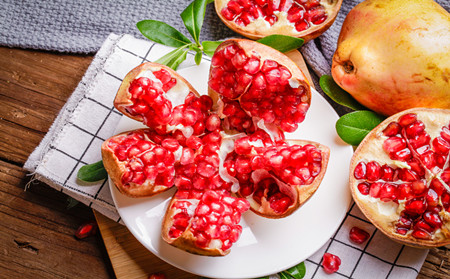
{"x": 209, "y": 47}
{"x": 337, "y": 94}
{"x": 172, "y": 56}
{"x": 162, "y": 33}
{"x": 354, "y": 126}
{"x": 282, "y": 43}
{"x": 198, "y": 57}
{"x": 177, "y": 60}
{"x": 92, "y": 172}
{"x": 295, "y": 272}
{"x": 193, "y": 17}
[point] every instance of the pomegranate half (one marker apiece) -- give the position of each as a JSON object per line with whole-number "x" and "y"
{"x": 256, "y": 19}
{"x": 400, "y": 177}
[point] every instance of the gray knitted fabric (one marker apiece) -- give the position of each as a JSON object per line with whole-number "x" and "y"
{"x": 81, "y": 26}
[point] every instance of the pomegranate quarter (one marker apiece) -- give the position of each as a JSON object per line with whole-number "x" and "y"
{"x": 255, "y": 19}
{"x": 400, "y": 177}
{"x": 220, "y": 167}
{"x": 251, "y": 82}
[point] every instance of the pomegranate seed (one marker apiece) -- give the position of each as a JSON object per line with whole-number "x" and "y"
{"x": 416, "y": 206}
{"x": 432, "y": 219}
{"x": 407, "y": 119}
{"x": 364, "y": 188}
{"x": 420, "y": 234}
{"x": 375, "y": 189}
{"x": 358, "y": 235}
{"x": 373, "y": 170}
{"x": 86, "y": 229}
{"x": 392, "y": 129}
{"x": 280, "y": 202}
{"x": 157, "y": 276}
{"x": 330, "y": 263}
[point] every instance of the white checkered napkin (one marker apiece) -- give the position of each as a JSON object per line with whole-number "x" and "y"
{"x": 89, "y": 118}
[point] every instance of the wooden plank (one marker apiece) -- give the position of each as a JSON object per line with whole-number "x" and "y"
{"x": 130, "y": 259}
{"x": 37, "y": 232}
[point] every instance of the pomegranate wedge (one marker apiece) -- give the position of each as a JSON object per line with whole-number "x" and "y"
{"x": 400, "y": 177}
{"x": 251, "y": 82}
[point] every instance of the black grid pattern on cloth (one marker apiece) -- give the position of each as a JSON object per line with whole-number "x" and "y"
{"x": 78, "y": 160}
{"x": 362, "y": 251}
{"x": 360, "y": 255}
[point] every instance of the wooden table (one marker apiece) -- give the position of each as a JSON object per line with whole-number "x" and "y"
{"x": 36, "y": 225}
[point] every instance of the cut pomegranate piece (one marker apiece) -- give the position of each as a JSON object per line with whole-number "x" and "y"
{"x": 276, "y": 177}
{"x": 206, "y": 224}
{"x": 255, "y": 82}
{"x": 257, "y": 19}
{"x": 163, "y": 100}
{"x": 405, "y": 160}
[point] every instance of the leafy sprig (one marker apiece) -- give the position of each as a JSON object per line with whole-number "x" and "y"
{"x": 352, "y": 127}
{"x": 193, "y": 17}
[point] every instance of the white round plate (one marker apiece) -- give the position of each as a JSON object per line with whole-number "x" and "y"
{"x": 266, "y": 246}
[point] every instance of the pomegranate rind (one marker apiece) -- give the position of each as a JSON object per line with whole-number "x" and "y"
{"x": 123, "y": 96}
{"x": 257, "y": 32}
{"x": 265, "y": 53}
{"x": 382, "y": 215}
{"x": 302, "y": 192}
{"x": 116, "y": 169}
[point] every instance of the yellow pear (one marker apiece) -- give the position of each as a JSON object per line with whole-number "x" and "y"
{"x": 394, "y": 55}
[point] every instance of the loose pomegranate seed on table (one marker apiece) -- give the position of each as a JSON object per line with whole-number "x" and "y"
{"x": 330, "y": 263}
{"x": 358, "y": 235}
{"x": 404, "y": 167}
{"x": 86, "y": 229}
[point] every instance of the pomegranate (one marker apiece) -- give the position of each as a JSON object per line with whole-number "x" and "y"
{"x": 400, "y": 177}
{"x": 162, "y": 100}
{"x": 219, "y": 173}
{"x": 330, "y": 263}
{"x": 358, "y": 235}
{"x": 255, "y": 19}
{"x": 276, "y": 176}
{"x": 395, "y": 55}
{"x": 251, "y": 82}
{"x": 86, "y": 229}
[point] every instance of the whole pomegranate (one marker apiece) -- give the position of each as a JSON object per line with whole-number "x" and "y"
{"x": 395, "y": 55}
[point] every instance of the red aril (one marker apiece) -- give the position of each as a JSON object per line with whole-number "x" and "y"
{"x": 257, "y": 19}
{"x": 330, "y": 263}
{"x": 86, "y": 229}
{"x": 358, "y": 235}
{"x": 409, "y": 193}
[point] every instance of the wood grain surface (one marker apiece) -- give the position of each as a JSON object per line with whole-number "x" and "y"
{"x": 37, "y": 226}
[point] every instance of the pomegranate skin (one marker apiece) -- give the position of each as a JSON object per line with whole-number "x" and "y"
{"x": 395, "y": 55}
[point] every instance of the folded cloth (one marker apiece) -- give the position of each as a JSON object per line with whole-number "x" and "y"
{"x": 89, "y": 118}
